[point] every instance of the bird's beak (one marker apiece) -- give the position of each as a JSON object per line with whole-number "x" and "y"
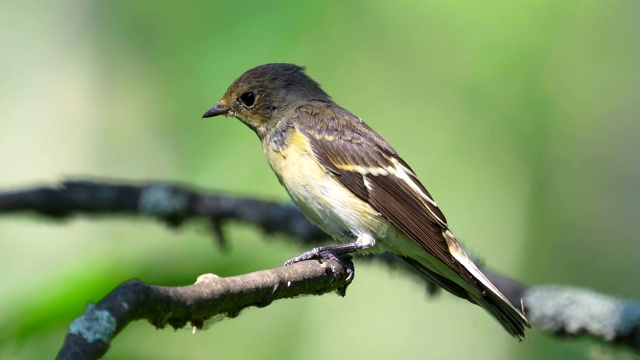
{"x": 219, "y": 109}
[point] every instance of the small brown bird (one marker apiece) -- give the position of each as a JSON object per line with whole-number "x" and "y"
{"x": 353, "y": 185}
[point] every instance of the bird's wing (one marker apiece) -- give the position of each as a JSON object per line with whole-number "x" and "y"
{"x": 369, "y": 167}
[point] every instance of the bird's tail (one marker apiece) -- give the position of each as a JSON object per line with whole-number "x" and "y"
{"x": 491, "y": 299}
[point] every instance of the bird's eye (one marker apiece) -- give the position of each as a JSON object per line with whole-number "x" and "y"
{"x": 248, "y": 98}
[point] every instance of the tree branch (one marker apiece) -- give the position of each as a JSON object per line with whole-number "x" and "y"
{"x": 211, "y": 297}
{"x": 171, "y": 203}
{"x": 558, "y": 310}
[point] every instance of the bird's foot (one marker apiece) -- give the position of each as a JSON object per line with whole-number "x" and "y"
{"x": 307, "y": 255}
{"x": 327, "y": 255}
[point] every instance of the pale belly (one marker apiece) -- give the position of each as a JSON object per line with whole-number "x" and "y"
{"x": 324, "y": 200}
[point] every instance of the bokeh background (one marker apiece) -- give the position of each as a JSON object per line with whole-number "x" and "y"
{"x": 521, "y": 118}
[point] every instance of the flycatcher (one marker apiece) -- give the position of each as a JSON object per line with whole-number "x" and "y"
{"x": 352, "y": 184}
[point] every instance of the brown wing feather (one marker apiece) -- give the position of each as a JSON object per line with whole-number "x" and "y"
{"x": 357, "y": 156}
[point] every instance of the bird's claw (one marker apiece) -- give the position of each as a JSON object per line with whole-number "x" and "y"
{"x": 325, "y": 257}
{"x": 307, "y": 255}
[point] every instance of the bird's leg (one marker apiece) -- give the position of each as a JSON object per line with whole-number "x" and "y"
{"x": 337, "y": 252}
{"x": 324, "y": 252}
{"x": 363, "y": 241}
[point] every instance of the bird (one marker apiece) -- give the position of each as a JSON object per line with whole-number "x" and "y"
{"x": 348, "y": 181}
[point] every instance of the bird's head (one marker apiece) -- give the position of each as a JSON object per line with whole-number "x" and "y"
{"x": 267, "y": 93}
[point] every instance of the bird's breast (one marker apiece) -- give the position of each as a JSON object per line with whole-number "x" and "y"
{"x": 315, "y": 191}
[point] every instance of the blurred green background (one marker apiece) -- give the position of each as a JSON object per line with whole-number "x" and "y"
{"x": 520, "y": 117}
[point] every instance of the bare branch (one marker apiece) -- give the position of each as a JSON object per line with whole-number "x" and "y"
{"x": 171, "y": 203}
{"x": 210, "y": 297}
{"x": 558, "y": 310}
